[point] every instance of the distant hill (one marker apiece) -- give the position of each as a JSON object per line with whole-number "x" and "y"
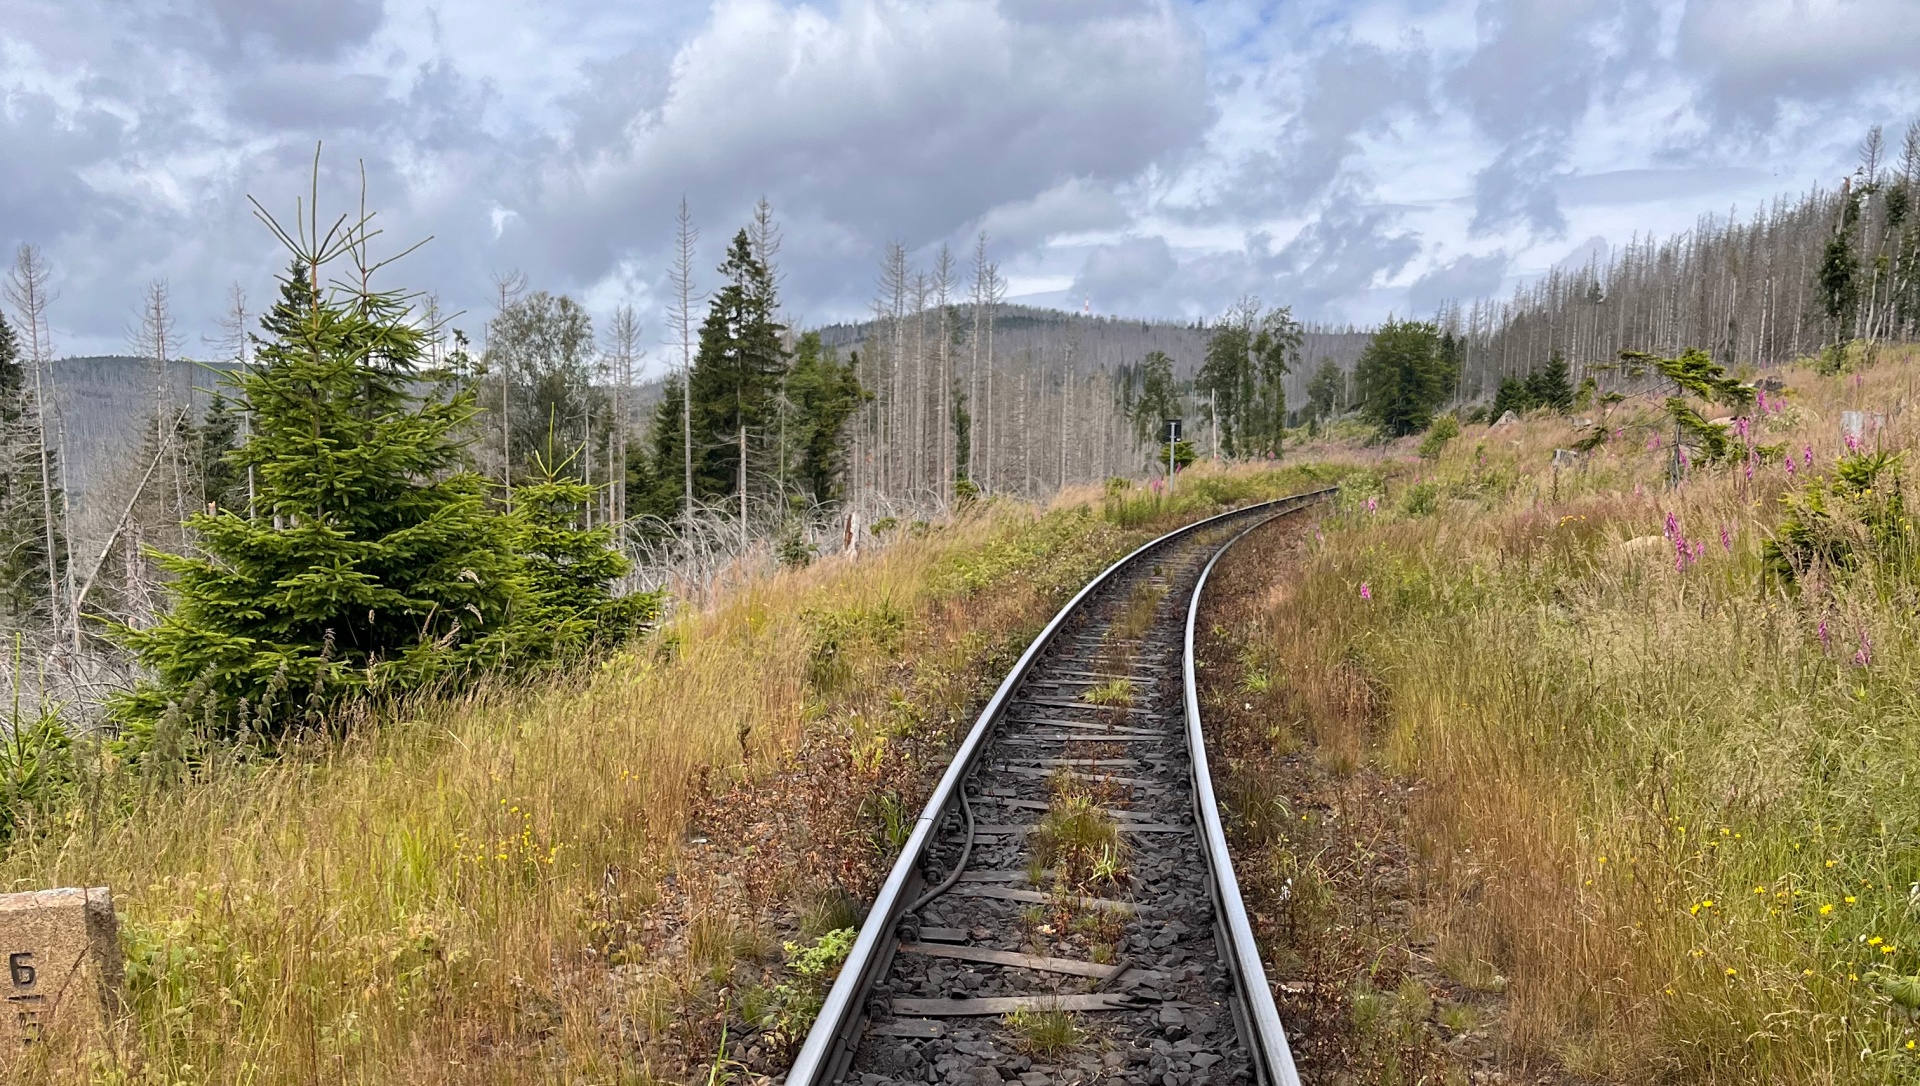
{"x": 1103, "y": 344}
{"x": 105, "y": 403}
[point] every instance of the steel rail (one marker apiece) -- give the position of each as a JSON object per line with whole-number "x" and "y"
{"x": 823, "y": 1057}
{"x": 1267, "y": 1038}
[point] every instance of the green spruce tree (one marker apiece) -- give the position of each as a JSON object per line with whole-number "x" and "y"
{"x": 1402, "y": 377}
{"x": 373, "y": 564}
{"x": 1551, "y": 385}
{"x": 737, "y": 376}
{"x": 1513, "y": 395}
{"x": 569, "y": 570}
{"x": 1327, "y": 392}
{"x": 822, "y": 393}
{"x": 656, "y": 492}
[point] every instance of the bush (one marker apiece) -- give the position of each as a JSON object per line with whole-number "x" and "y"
{"x": 1420, "y": 499}
{"x": 1444, "y": 429}
{"x": 1840, "y": 523}
{"x": 36, "y": 770}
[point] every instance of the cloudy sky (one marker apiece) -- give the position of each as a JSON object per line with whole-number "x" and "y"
{"x": 1145, "y": 158}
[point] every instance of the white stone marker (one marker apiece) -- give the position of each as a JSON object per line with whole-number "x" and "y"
{"x": 62, "y": 964}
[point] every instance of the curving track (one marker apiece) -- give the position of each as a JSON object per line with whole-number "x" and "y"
{"x": 1144, "y": 942}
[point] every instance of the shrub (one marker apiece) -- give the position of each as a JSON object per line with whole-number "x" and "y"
{"x": 1856, "y": 516}
{"x": 1444, "y": 429}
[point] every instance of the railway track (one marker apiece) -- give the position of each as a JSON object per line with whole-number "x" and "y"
{"x": 1065, "y": 909}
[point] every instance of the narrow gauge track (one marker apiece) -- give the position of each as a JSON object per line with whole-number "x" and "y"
{"x": 1155, "y": 961}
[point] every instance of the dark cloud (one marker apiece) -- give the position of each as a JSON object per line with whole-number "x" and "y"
{"x": 317, "y": 29}
{"x": 891, "y": 122}
{"x": 1071, "y": 207}
{"x": 1641, "y": 186}
{"x": 1464, "y": 277}
{"x": 38, "y": 196}
{"x": 1519, "y": 188}
{"x": 1350, "y": 89}
{"x": 1755, "y": 55}
{"x": 1345, "y": 252}
{"x": 309, "y": 98}
{"x": 1539, "y": 67}
{"x": 1130, "y": 276}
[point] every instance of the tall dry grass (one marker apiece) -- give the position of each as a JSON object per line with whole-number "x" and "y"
{"x": 586, "y": 880}
{"x": 1672, "y": 801}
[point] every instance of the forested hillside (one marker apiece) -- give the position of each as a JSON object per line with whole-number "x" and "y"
{"x": 1787, "y": 280}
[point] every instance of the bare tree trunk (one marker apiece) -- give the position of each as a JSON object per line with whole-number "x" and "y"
{"x": 508, "y": 287}
{"x": 26, "y": 288}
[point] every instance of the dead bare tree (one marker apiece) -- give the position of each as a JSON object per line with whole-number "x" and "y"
{"x": 624, "y": 354}
{"x": 28, "y": 291}
{"x": 682, "y": 320}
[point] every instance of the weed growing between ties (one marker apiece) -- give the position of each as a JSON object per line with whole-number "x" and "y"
{"x": 1658, "y": 814}
{"x": 1044, "y": 1032}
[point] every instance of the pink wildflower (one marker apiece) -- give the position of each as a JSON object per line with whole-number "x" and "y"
{"x": 1372, "y": 505}
{"x": 1853, "y": 443}
{"x": 1822, "y": 634}
{"x": 1806, "y": 456}
{"x": 1672, "y": 530}
{"x": 1366, "y": 590}
{"x": 1699, "y": 550}
{"x": 1742, "y": 426}
{"x": 1760, "y": 400}
{"x": 1750, "y": 460}
{"x": 1864, "y": 655}
{"x": 1789, "y": 467}
{"x": 1726, "y": 539}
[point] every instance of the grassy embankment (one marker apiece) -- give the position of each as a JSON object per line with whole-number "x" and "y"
{"x": 1665, "y": 806}
{"x": 585, "y": 882}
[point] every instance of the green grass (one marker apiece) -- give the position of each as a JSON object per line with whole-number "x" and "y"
{"x": 1669, "y": 812}
{"x": 1043, "y": 1032}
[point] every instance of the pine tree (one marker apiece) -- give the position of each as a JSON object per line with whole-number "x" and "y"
{"x": 569, "y": 570}
{"x": 1551, "y": 386}
{"x": 1327, "y": 392}
{"x": 736, "y": 374}
{"x": 1402, "y": 378}
{"x": 374, "y": 564}
{"x": 1512, "y": 396}
{"x": 222, "y": 484}
{"x": 824, "y": 394}
{"x": 655, "y": 468}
